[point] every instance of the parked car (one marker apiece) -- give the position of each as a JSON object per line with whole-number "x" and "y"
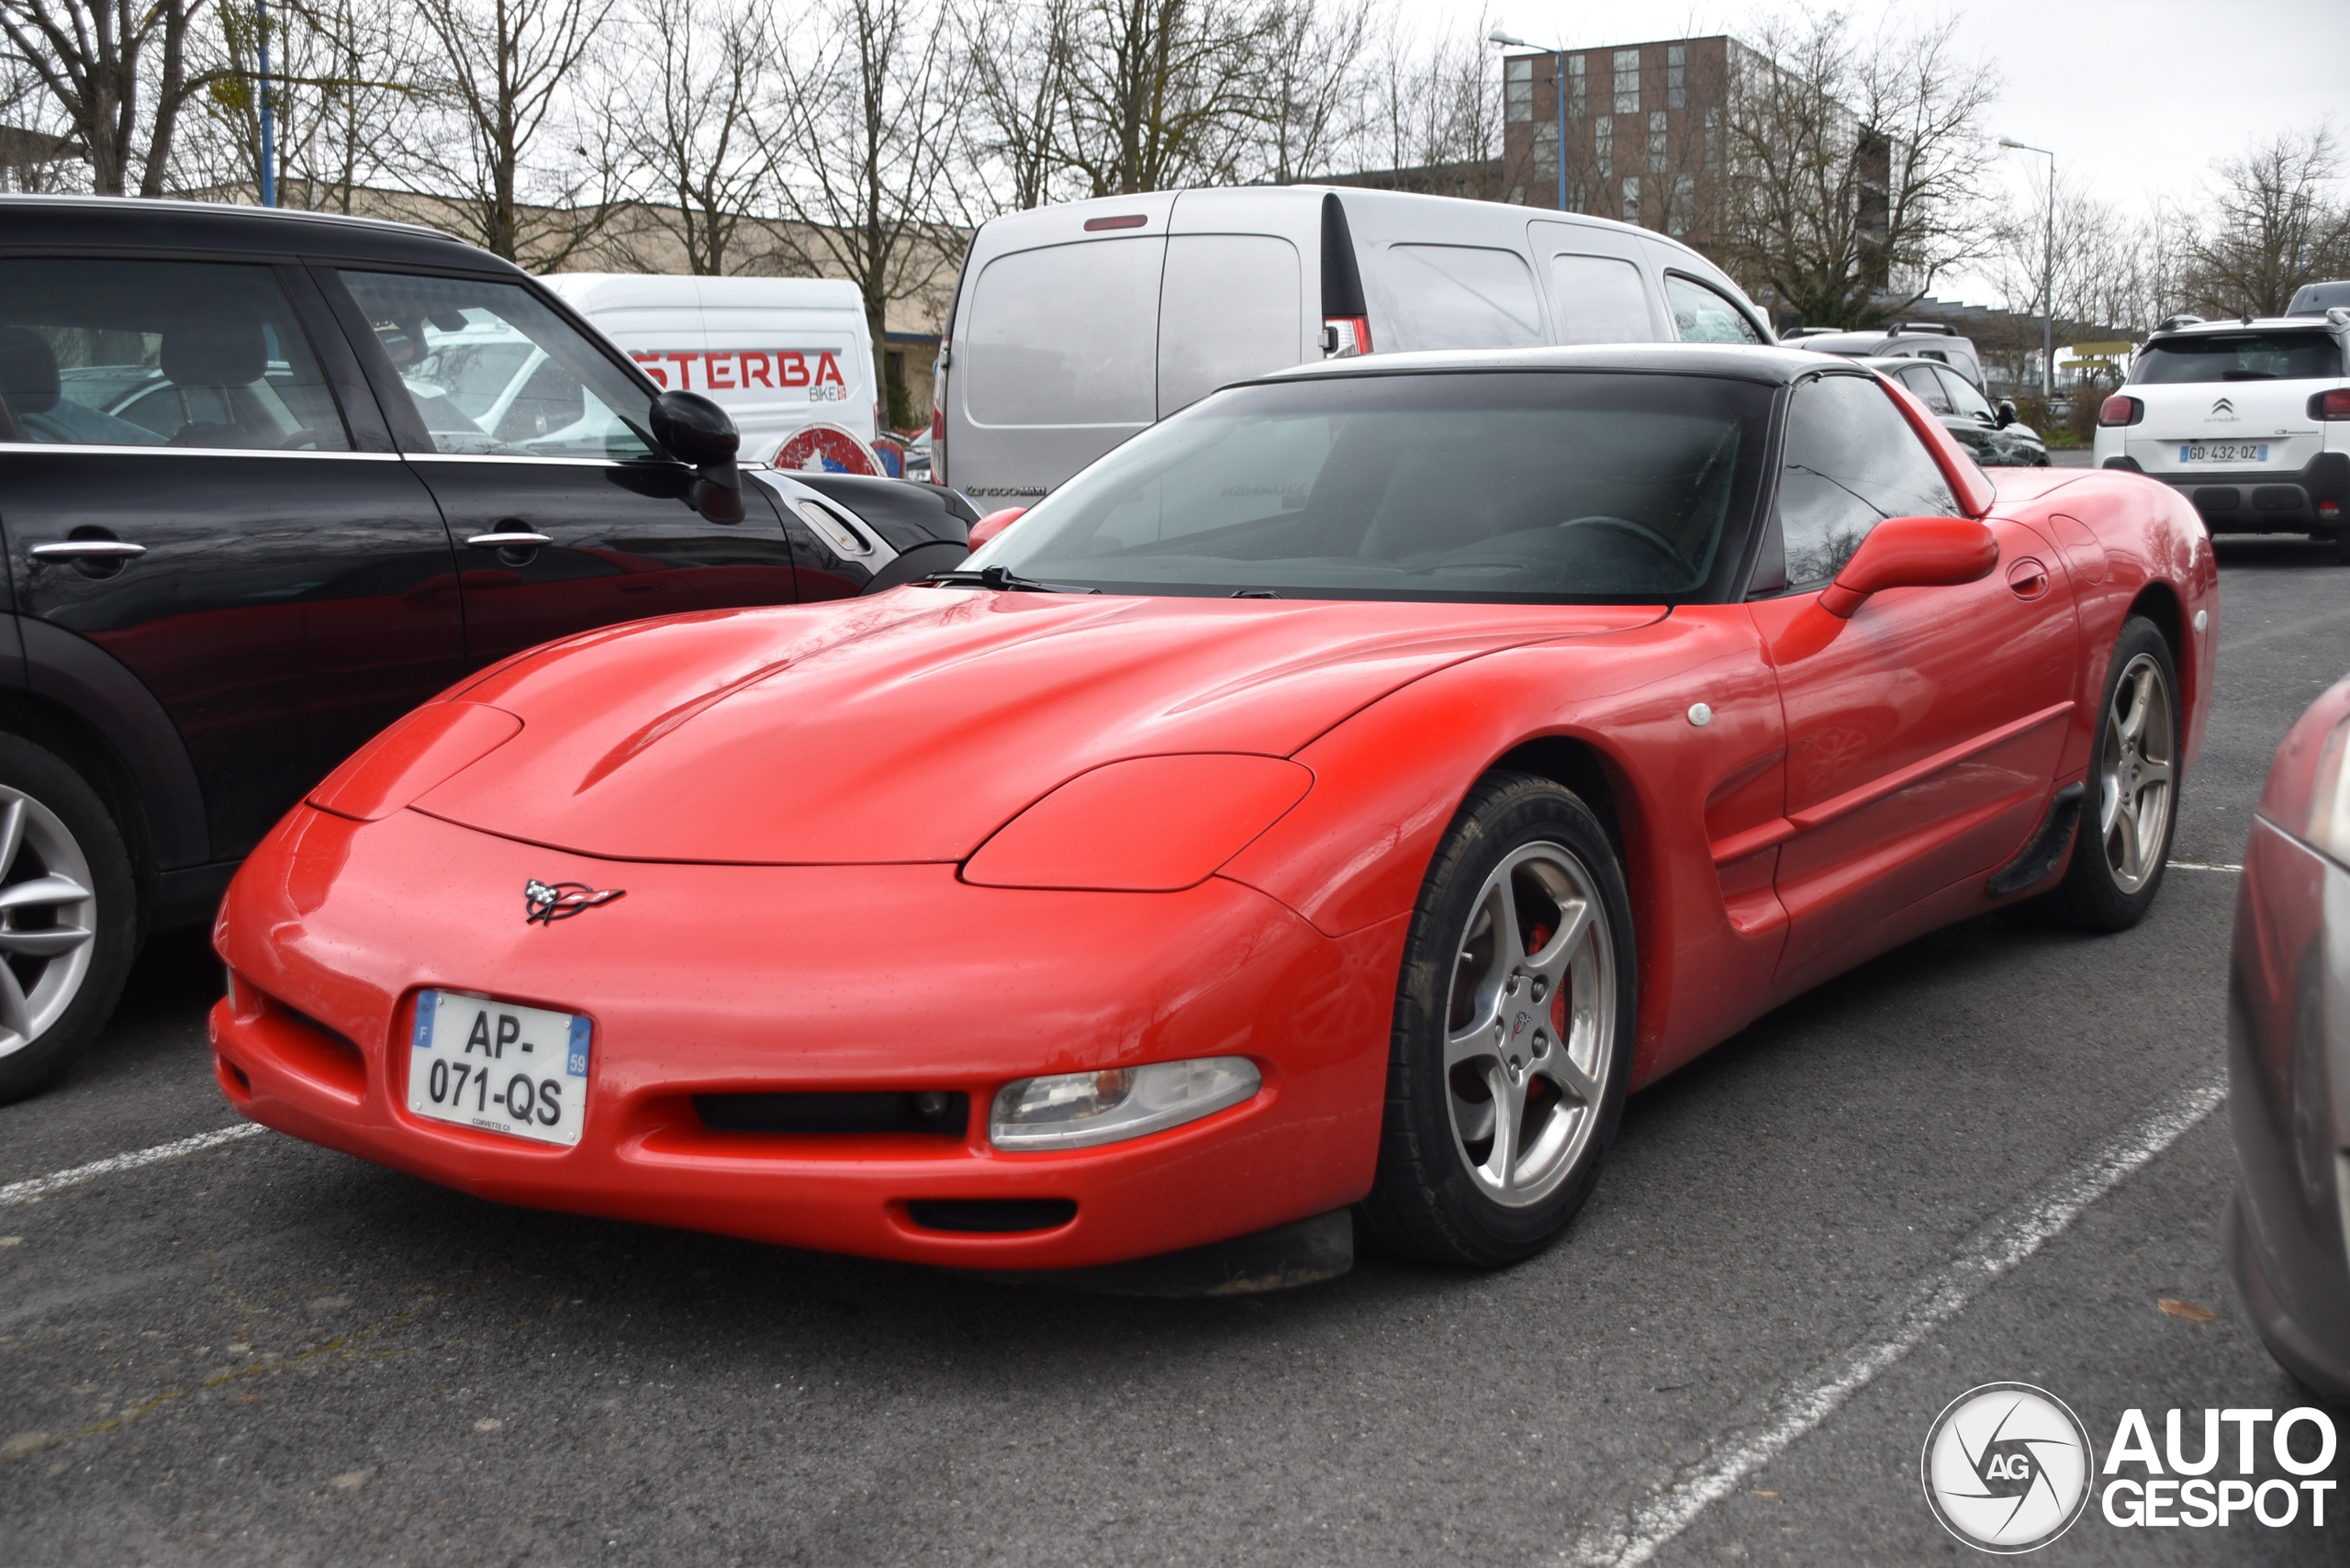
{"x": 2317, "y": 298}
{"x": 1075, "y": 326}
{"x": 267, "y": 481}
{"x": 1936, "y": 340}
{"x": 2288, "y": 1055}
{"x": 1994, "y": 434}
{"x": 775, "y": 352}
{"x": 1282, "y": 781}
{"x": 2251, "y": 419}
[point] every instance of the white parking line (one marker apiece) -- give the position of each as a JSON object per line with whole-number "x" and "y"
{"x": 2198, "y": 866}
{"x": 42, "y": 1186}
{"x": 1676, "y": 1500}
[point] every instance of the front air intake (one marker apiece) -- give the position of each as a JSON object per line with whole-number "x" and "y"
{"x": 993, "y": 1217}
{"x": 942, "y": 1113}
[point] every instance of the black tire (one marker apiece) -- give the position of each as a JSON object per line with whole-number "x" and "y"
{"x": 1431, "y": 1200}
{"x": 50, "y": 799}
{"x": 2342, "y": 546}
{"x": 2101, "y": 892}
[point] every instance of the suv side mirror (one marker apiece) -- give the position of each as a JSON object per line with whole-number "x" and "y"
{"x": 2005, "y": 413}
{"x": 697, "y": 431}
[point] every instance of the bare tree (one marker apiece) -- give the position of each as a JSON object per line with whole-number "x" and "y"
{"x": 1430, "y": 116}
{"x": 1165, "y": 92}
{"x": 1856, "y": 168}
{"x": 2277, "y": 221}
{"x": 867, "y": 129}
{"x": 1312, "y": 97}
{"x": 345, "y": 90}
{"x": 708, "y": 70}
{"x": 1014, "y": 55}
{"x": 97, "y": 59}
{"x": 509, "y": 78}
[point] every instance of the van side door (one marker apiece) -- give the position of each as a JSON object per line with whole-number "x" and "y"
{"x": 1600, "y": 286}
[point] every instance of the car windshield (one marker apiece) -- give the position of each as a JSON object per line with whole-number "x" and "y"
{"x": 2238, "y": 356}
{"x": 1517, "y": 486}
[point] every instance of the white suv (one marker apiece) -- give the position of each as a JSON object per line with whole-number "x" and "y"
{"x": 2250, "y": 420}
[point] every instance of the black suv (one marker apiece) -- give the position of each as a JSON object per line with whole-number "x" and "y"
{"x": 268, "y": 480}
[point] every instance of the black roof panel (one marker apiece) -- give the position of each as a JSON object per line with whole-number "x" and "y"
{"x": 111, "y": 222}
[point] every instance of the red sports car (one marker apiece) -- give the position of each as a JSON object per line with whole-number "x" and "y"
{"x": 1332, "y": 801}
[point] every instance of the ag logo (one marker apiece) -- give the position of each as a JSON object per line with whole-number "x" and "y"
{"x": 2007, "y": 1467}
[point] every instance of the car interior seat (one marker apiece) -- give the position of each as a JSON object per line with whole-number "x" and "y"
{"x": 222, "y": 356}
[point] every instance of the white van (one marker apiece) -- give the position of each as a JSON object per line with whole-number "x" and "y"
{"x": 1075, "y": 326}
{"x": 776, "y": 352}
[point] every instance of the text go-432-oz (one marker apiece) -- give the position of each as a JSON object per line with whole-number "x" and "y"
{"x": 499, "y": 1067}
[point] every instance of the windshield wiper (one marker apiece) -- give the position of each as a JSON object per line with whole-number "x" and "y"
{"x": 1002, "y": 580}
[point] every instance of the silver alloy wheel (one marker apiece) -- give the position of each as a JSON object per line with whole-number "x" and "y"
{"x": 1530, "y": 1028}
{"x": 2134, "y": 773}
{"x": 48, "y": 918}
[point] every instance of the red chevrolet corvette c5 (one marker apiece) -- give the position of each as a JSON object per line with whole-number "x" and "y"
{"x": 1335, "y": 798}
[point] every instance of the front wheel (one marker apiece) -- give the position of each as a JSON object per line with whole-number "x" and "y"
{"x": 67, "y": 924}
{"x": 1513, "y": 1035}
{"x": 2132, "y": 803}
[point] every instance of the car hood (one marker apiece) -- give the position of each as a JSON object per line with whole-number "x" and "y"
{"x": 910, "y": 726}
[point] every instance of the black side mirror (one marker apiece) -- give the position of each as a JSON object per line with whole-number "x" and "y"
{"x": 2007, "y": 414}
{"x": 695, "y": 431}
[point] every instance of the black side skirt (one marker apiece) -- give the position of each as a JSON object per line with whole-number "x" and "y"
{"x": 2047, "y": 847}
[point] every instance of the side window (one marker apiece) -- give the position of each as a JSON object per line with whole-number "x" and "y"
{"x": 1921, "y": 379}
{"x": 1964, "y": 397}
{"x": 491, "y": 370}
{"x": 1702, "y": 314}
{"x": 1462, "y": 297}
{"x": 1599, "y": 300}
{"x": 1849, "y": 462}
{"x": 113, "y": 352}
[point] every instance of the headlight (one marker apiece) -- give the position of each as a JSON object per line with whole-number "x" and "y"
{"x": 1076, "y": 1110}
{"x": 1147, "y": 824}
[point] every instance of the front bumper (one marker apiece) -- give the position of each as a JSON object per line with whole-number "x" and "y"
{"x": 714, "y": 979}
{"x": 2288, "y": 1080}
{"x": 2263, "y": 501}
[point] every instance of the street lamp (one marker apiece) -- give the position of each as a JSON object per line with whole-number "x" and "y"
{"x": 1559, "y": 84}
{"x": 268, "y": 131}
{"x": 2047, "y": 277}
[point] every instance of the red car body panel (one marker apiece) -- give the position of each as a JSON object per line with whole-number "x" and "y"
{"x": 796, "y": 801}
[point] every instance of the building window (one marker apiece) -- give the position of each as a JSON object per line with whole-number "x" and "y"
{"x": 1578, "y": 200}
{"x": 1518, "y": 88}
{"x": 1713, "y": 138}
{"x": 1575, "y": 100}
{"x": 1518, "y": 195}
{"x": 1603, "y": 146}
{"x": 1684, "y": 205}
{"x": 1632, "y": 198}
{"x": 1676, "y": 76}
{"x": 1656, "y": 142}
{"x": 1545, "y": 151}
{"x": 1628, "y": 81}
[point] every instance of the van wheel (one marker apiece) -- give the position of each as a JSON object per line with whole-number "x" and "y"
{"x": 68, "y": 916}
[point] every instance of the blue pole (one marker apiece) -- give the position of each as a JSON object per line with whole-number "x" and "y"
{"x": 1561, "y": 86}
{"x": 268, "y": 130}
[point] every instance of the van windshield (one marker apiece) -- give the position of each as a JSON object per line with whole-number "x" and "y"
{"x": 1516, "y": 487}
{"x": 2238, "y": 356}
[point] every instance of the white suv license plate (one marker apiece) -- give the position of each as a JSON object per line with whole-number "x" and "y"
{"x": 498, "y": 1066}
{"x": 2223, "y": 452}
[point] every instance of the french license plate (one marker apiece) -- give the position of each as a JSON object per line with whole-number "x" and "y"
{"x": 2223, "y": 452}
{"x": 504, "y": 1068}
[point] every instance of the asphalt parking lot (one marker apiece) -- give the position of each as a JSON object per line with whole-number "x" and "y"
{"x": 1991, "y": 1155}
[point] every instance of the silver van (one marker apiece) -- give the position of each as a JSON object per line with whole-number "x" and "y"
{"x": 1075, "y": 326}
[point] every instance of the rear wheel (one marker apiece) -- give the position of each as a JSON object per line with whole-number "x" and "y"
{"x": 2126, "y": 821}
{"x": 1513, "y": 1034}
{"x": 67, "y": 924}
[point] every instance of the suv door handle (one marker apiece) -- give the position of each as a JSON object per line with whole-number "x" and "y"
{"x": 518, "y": 541}
{"x": 89, "y": 550}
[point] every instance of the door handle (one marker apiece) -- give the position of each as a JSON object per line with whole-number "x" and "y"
{"x": 2028, "y": 578}
{"x": 89, "y": 550}
{"x": 515, "y": 541}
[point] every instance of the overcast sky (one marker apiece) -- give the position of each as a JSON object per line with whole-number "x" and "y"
{"x": 2138, "y": 96}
